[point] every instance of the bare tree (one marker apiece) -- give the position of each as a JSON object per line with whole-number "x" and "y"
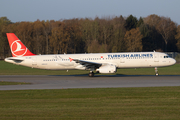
{"x": 163, "y": 25}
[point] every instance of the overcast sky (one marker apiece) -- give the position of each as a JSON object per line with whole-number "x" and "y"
{"x": 31, "y": 10}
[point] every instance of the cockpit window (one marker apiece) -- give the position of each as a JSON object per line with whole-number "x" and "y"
{"x": 166, "y": 56}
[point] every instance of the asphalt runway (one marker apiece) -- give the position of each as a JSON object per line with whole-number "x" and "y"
{"x": 82, "y": 81}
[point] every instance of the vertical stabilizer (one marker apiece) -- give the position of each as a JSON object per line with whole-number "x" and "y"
{"x": 17, "y": 47}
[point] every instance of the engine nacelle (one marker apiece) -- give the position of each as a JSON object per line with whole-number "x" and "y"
{"x": 109, "y": 68}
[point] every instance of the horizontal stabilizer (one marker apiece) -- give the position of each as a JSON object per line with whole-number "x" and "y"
{"x": 15, "y": 59}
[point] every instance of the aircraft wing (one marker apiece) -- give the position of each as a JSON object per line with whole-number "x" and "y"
{"x": 88, "y": 64}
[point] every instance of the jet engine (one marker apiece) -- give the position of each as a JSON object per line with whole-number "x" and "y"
{"x": 108, "y": 68}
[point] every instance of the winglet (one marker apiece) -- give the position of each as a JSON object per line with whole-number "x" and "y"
{"x": 17, "y": 47}
{"x": 70, "y": 59}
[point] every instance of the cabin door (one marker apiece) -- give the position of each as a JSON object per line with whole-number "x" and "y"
{"x": 34, "y": 62}
{"x": 122, "y": 60}
{"x": 156, "y": 57}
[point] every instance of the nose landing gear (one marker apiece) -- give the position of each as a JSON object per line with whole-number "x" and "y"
{"x": 156, "y": 71}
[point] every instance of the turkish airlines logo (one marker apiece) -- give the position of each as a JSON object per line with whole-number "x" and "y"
{"x": 18, "y": 49}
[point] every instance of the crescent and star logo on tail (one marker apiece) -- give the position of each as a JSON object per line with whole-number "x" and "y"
{"x": 18, "y": 49}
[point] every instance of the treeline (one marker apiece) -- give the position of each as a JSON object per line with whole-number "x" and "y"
{"x": 118, "y": 34}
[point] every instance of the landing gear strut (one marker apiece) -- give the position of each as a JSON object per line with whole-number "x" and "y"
{"x": 91, "y": 74}
{"x": 156, "y": 71}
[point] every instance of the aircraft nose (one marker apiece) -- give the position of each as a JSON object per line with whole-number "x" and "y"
{"x": 173, "y": 61}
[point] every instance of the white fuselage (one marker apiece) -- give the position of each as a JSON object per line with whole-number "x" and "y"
{"x": 120, "y": 60}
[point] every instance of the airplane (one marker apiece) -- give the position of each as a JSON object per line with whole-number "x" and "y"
{"x": 99, "y": 62}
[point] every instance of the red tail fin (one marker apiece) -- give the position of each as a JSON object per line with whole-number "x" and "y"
{"x": 17, "y": 47}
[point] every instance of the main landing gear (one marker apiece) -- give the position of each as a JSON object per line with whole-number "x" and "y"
{"x": 156, "y": 71}
{"x": 91, "y": 74}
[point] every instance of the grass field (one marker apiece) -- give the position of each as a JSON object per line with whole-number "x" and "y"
{"x": 11, "y": 69}
{"x": 110, "y": 103}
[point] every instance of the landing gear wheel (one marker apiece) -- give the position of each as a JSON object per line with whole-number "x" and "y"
{"x": 91, "y": 74}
